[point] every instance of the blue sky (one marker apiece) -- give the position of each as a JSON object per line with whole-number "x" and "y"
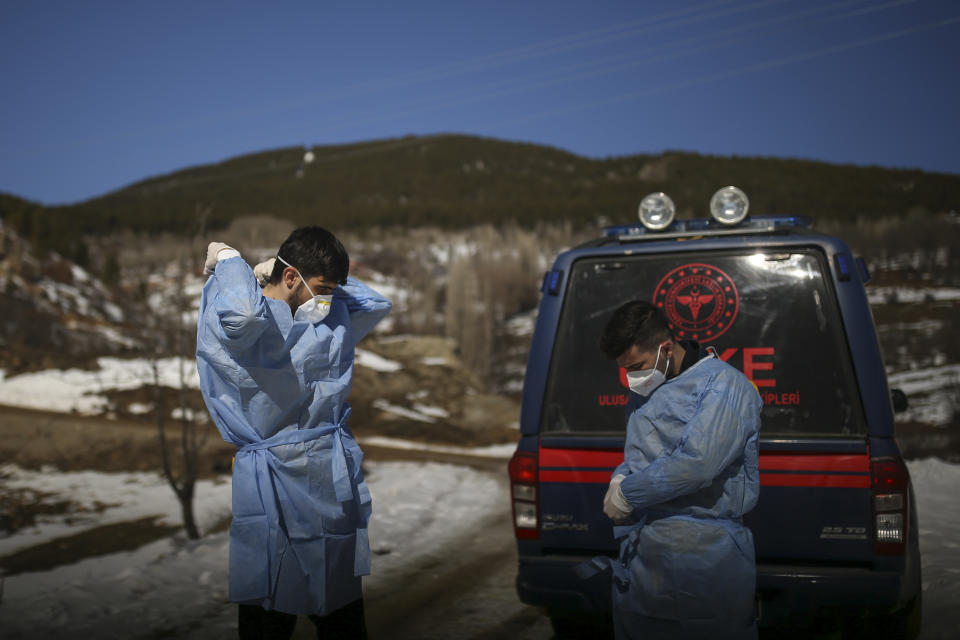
{"x": 97, "y": 95}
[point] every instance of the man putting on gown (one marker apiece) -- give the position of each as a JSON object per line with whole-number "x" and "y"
{"x": 275, "y": 360}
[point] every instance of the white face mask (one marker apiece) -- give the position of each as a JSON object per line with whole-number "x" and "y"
{"x": 316, "y": 308}
{"x": 644, "y": 382}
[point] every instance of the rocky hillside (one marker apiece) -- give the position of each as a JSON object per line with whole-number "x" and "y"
{"x": 54, "y": 311}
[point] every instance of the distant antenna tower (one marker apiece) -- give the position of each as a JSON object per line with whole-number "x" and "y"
{"x": 308, "y": 158}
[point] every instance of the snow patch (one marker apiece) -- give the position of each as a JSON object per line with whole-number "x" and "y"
{"x": 106, "y": 498}
{"x": 932, "y": 394}
{"x": 80, "y": 390}
{"x": 924, "y": 327}
{"x": 188, "y": 414}
{"x": 114, "y": 336}
{"x": 888, "y": 295}
{"x": 403, "y": 412}
{"x": 492, "y": 451}
{"x": 427, "y": 410}
{"x": 522, "y": 325}
{"x": 113, "y": 311}
{"x": 926, "y": 380}
{"x": 376, "y": 362}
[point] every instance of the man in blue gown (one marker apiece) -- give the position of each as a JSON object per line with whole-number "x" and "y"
{"x": 276, "y": 364}
{"x": 686, "y": 567}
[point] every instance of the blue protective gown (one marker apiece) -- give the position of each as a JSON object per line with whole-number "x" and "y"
{"x": 277, "y": 390}
{"x": 686, "y": 567}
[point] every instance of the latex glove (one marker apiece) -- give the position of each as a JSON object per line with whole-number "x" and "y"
{"x": 264, "y": 270}
{"x": 214, "y": 254}
{"x": 614, "y": 504}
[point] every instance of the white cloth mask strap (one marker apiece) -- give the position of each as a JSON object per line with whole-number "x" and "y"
{"x": 299, "y": 274}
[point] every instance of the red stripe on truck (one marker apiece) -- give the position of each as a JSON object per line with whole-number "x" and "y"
{"x": 810, "y": 462}
{"x": 814, "y": 480}
{"x": 600, "y": 477}
{"x": 598, "y": 458}
{"x": 795, "y": 470}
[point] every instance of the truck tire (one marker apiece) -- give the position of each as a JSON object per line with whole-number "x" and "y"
{"x": 572, "y": 625}
{"x": 902, "y": 624}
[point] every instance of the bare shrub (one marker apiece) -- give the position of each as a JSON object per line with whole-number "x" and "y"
{"x": 469, "y": 320}
{"x": 464, "y": 284}
{"x": 495, "y": 279}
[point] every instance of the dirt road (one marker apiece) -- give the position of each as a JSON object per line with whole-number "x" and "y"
{"x": 464, "y": 589}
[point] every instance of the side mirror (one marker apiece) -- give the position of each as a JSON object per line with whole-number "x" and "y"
{"x": 900, "y": 402}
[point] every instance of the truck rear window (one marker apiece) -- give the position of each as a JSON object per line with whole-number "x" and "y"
{"x": 771, "y": 315}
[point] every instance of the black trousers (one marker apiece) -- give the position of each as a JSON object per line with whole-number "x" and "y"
{"x": 346, "y": 623}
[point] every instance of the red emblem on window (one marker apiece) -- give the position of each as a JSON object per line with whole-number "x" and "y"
{"x": 699, "y": 300}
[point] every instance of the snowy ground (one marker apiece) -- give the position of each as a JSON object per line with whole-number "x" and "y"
{"x": 179, "y": 586}
{"x": 98, "y": 499}
{"x": 935, "y": 484}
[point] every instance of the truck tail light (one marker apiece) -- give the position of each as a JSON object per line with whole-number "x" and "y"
{"x": 523, "y": 491}
{"x": 890, "y": 488}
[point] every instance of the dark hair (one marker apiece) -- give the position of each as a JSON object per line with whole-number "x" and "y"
{"x": 634, "y": 323}
{"x": 313, "y": 251}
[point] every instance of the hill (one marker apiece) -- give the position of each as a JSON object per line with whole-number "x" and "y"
{"x": 455, "y": 181}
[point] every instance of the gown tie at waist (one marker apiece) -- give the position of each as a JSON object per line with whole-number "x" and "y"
{"x": 342, "y": 470}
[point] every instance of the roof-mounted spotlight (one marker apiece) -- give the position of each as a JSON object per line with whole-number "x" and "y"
{"x": 729, "y": 206}
{"x": 657, "y": 211}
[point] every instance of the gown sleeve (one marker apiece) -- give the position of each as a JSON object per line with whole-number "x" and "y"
{"x": 366, "y": 306}
{"x": 238, "y": 305}
{"x": 713, "y": 439}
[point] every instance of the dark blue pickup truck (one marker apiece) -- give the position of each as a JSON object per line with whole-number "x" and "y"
{"x": 835, "y": 526}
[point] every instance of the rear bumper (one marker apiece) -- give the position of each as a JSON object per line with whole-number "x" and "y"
{"x": 549, "y": 581}
{"x": 788, "y": 592}
{"x": 783, "y": 591}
